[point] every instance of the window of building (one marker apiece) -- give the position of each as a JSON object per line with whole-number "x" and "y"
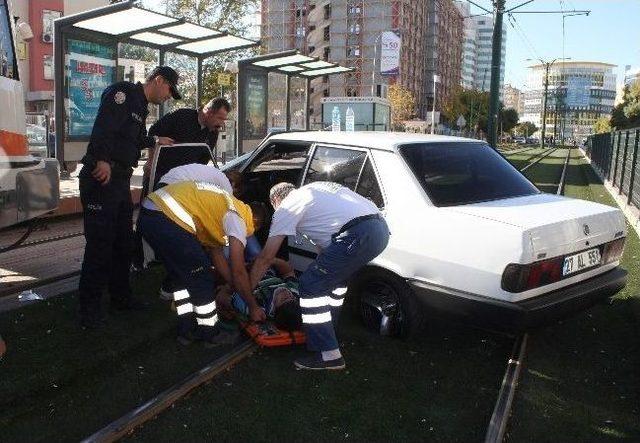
{"x": 353, "y": 51}
{"x": 325, "y": 79}
{"x": 327, "y": 33}
{"x": 8, "y": 66}
{"x": 47, "y": 65}
{"x": 326, "y": 53}
{"x": 325, "y": 92}
{"x": 327, "y": 11}
{"x": 352, "y": 92}
{"x": 312, "y": 28}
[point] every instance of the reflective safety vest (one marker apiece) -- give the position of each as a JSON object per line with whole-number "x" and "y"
{"x": 199, "y": 207}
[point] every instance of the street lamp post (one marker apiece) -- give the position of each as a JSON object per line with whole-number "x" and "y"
{"x": 436, "y": 79}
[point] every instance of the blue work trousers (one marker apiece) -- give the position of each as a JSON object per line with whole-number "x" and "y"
{"x": 189, "y": 266}
{"x": 348, "y": 252}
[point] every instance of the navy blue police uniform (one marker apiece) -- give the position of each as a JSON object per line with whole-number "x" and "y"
{"x": 119, "y": 134}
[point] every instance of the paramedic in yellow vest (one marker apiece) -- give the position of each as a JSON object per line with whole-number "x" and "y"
{"x": 177, "y": 221}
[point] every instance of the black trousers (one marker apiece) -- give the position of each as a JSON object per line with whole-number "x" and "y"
{"x": 108, "y": 212}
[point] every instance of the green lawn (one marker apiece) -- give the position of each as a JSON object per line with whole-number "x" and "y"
{"x": 582, "y": 377}
{"x": 60, "y": 383}
{"x": 580, "y": 381}
{"x": 441, "y": 387}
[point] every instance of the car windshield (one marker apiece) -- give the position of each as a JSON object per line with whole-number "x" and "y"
{"x": 463, "y": 173}
{"x": 236, "y": 162}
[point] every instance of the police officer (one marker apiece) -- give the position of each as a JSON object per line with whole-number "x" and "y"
{"x": 119, "y": 133}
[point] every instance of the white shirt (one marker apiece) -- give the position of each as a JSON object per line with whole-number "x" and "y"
{"x": 197, "y": 173}
{"x": 318, "y": 210}
{"x": 234, "y": 226}
{"x": 232, "y": 223}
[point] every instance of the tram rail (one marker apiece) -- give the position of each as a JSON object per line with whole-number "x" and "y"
{"x": 502, "y": 410}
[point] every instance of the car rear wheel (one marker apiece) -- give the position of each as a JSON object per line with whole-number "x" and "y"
{"x": 387, "y": 305}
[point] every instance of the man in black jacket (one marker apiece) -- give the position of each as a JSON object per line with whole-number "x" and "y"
{"x": 119, "y": 133}
{"x": 191, "y": 126}
{"x": 183, "y": 125}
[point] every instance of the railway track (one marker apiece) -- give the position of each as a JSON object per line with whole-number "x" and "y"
{"x": 129, "y": 422}
{"x": 502, "y": 410}
{"x": 518, "y": 151}
{"x": 36, "y": 226}
{"x": 537, "y": 158}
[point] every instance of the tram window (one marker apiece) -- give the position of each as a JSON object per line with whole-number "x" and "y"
{"x": 7, "y": 54}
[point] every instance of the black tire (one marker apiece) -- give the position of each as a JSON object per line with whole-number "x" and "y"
{"x": 377, "y": 293}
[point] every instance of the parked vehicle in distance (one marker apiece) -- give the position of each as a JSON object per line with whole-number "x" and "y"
{"x": 520, "y": 140}
{"x": 37, "y": 139}
{"x": 471, "y": 237}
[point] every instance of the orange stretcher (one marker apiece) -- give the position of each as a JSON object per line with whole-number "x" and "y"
{"x": 267, "y": 334}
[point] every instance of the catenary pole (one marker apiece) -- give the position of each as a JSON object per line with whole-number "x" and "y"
{"x": 496, "y": 60}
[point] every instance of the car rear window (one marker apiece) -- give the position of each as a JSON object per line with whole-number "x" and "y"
{"x": 463, "y": 173}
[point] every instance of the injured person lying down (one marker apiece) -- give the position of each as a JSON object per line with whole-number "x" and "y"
{"x": 278, "y": 296}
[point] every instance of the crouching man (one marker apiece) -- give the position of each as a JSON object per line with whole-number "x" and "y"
{"x": 177, "y": 221}
{"x": 348, "y": 231}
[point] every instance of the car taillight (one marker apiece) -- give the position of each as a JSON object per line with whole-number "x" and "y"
{"x": 613, "y": 251}
{"x": 518, "y": 278}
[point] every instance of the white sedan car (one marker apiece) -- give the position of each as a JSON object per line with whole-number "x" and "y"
{"x": 470, "y": 235}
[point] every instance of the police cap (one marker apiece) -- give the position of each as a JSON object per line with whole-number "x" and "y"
{"x": 170, "y": 75}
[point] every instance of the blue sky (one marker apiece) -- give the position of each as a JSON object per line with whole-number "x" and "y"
{"x": 610, "y": 34}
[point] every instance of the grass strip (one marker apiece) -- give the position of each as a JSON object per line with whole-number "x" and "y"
{"x": 61, "y": 383}
{"x": 441, "y": 387}
{"x": 582, "y": 381}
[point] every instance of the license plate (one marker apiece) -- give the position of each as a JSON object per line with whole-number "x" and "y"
{"x": 583, "y": 260}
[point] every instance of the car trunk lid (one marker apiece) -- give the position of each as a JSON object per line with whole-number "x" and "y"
{"x": 552, "y": 225}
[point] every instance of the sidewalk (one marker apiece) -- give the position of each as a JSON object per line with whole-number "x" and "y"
{"x": 70, "y": 193}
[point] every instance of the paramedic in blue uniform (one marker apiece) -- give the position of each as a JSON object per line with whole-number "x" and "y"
{"x": 119, "y": 134}
{"x": 348, "y": 231}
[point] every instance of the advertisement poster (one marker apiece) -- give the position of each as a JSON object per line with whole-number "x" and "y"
{"x": 256, "y": 105}
{"x": 390, "y": 53}
{"x": 578, "y": 92}
{"x": 91, "y": 68}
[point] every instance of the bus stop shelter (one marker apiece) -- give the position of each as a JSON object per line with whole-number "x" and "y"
{"x": 86, "y": 61}
{"x": 253, "y": 90}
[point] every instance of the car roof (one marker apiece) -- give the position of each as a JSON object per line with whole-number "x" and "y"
{"x": 368, "y": 139}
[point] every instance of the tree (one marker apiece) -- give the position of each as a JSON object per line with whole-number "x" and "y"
{"x": 526, "y": 128}
{"x": 632, "y": 104}
{"x": 472, "y": 104}
{"x": 603, "y": 124}
{"x": 618, "y": 119}
{"x": 228, "y": 15}
{"x": 627, "y": 113}
{"x": 508, "y": 119}
{"x": 136, "y": 52}
{"x": 403, "y": 105}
